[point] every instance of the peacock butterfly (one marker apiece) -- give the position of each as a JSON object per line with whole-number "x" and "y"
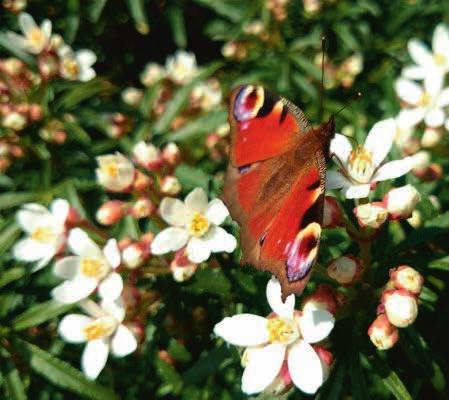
{"x": 275, "y": 183}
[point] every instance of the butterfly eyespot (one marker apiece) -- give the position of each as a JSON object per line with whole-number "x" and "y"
{"x": 244, "y": 168}
{"x": 248, "y": 101}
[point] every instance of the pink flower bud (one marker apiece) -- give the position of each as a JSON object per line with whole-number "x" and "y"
{"x": 170, "y": 186}
{"x": 142, "y": 182}
{"x": 73, "y": 218}
{"x": 142, "y": 208}
{"x": 401, "y": 307}
{"x": 372, "y": 215}
{"x": 135, "y": 254}
{"x": 137, "y": 329}
{"x": 400, "y": 202}
{"x": 326, "y": 358}
{"x": 171, "y": 154}
{"x": 111, "y": 212}
{"x": 431, "y": 137}
{"x": 35, "y": 112}
{"x": 148, "y": 156}
{"x": 281, "y": 384}
{"x": 323, "y": 298}
{"x": 181, "y": 267}
{"x": 382, "y": 333}
{"x": 432, "y": 173}
{"x": 345, "y": 270}
{"x": 408, "y": 278}
{"x": 332, "y": 213}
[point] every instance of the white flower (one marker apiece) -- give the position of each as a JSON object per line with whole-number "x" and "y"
{"x": 116, "y": 172}
{"x": 35, "y": 38}
{"x": 207, "y": 95}
{"x": 147, "y": 155}
{"x": 401, "y": 307}
{"x": 77, "y": 66}
{"x": 152, "y": 74}
{"x": 286, "y": 335}
{"x": 430, "y": 65}
{"x": 195, "y": 224}
{"x": 88, "y": 269}
{"x": 45, "y": 229}
{"x": 181, "y": 67}
{"x": 400, "y": 202}
{"x": 362, "y": 166}
{"x": 102, "y": 331}
{"x": 426, "y": 102}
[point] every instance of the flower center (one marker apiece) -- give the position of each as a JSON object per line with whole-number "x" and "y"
{"x": 425, "y": 100}
{"x": 43, "y": 234}
{"x": 35, "y": 36}
{"x": 282, "y": 330}
{"x": 100, "y": 328}
{"x": 94, "y": 268}
{"x": 71, "y": 67}
{"x": 360, "y": 165}
{"x": 439, "y": 59}
{"x": 110, "y": 169}
{"x": 198, "y": 225}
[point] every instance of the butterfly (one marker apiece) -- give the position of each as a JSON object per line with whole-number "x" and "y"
{"x": 275, "y": 183}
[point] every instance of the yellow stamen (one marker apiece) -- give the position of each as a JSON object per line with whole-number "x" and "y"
{"x": 110, "y": 169}
{"x": 43, "y": 234}
{"x": 71, "y": 67}
{"x": 93, "y": 268}
{"x": 35, "y": 36}
{"x": 198, "y": 225}
{"x": 281, "y": 330}
{"x": 360, "y": 164}
{"x": 439, "y": 59}
{"x": 100, "y": 328}
{"x": 425, "y": 99}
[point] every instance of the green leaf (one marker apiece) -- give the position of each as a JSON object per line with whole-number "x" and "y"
{"x": 359, "y": 388}
{"x": 11, "y": 275}
{"x": 77, "y": 132}
{"x": 72, "y": 21}
{"x": 172, "y": 380}
{"x": 13, "y": 384}
{"x": 82, "y": 91}
{"x": 39, "y": 313}
{"x": 396, "y": 387}
{"x": 191, "y": 177}
{"x": 441, "y": 263}
{"x": 211, "y": 281}
{"x": 333, "y": 387}
{"x": 13, "y": 199}
{"x": 8, "y": 236}
{"x": 138, "y": 14}
{"x": 177, "y": 23}
{"x": 6, "y": 44}
{"x": 232, "y": 9}
{"x": 207, "y": 364}
{"x": 178, "y": 351}
{"x": 95, "y": 9}
{"x": 306, "y": 65}
{"x": 61, "y": 373}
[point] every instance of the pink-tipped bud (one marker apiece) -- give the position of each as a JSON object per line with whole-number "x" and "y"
{"x": 142, "y": 208}
{"x": 111, "y": 212}
{"x": 382, "y": 333}
{"x": 48, "y": 64}
{"x": 125, "y": 242}
{"x": 170, "y": 186}
{"x": 171, "y": 154}
{"x": 400, "y": 202}
{"x": 371, "y": 215}
{"x": 181, "y": 267}
{"x": 432, "y": 173}
{"x": 134, "y": 255}
{"x": 131, "y": 297}
{"x": 401, "y": 307}
{"x": 408, "y": 278}
{"x": 35, "y": 112}
{"x": 142, "y": 182}
{"x": 165, "y": 356}
{"x": 73, "y": 218}
{"x": 281, "y": 384}
{"x": 332, "y": 213}
{"x": 323, "y": 298}
{"x": 326, "y": 358}
{"x": 345, "y": 270}
{"x": 431, "y": 137}
{"x": 148, "y": 156}
{"x": 137, "y": 329}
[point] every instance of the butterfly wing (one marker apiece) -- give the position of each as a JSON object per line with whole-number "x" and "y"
{"x": 275, "y": 185}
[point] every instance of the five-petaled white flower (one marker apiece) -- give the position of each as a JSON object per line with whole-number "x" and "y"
{"x": 285, "y": 335}
{"x": 360, "y": 167}
{"x": 76, "y": 66}
{"x": 181, "y": 67}
{"x": 35, "y": 39}
{"x": 102, "y": 331}
{"x": 195, "y": 224}
{"x": 45, "y": 229}
{"x": 115, "y": 172}
{"x": 89, "y": 269}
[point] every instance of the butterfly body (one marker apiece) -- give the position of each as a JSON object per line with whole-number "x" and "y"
{"x": 275, "y": 183}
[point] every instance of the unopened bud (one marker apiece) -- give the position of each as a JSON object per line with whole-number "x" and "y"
{"x": 111, "y": 212}
{"x": 132, "y": 96}
{"x": 432, "y": 173}
{"x": 142, "y": 208}
{"x": 326, "y": 358}
{"x": 323, "y": 298}
{"x": 171, "y": 154}
{"x": 148, "y": 156}
{"x": 281, "y": 384}
{"x": 408, "y": 278}
{"x": 345, "y": 270}
{"x": 400, "y": 202}
{"x": 332, "y": 213}
{"x": 371, "y": 215}
{"x": 181, "y": 267}
{"x": 416, "y": 219}
{"x": 142, "y": 182}
{"x": 134, "y": 255}
{"x": 431, "y": 137}
{"x": 170, "y": 185}
{"x": 382, "y": 333}
{"x": 401, "y": 307}
{"x": 14, "y": 121}
{"x": 35, "y": 112}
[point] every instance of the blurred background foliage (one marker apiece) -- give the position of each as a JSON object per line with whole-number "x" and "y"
{"x": 180, "y": 358}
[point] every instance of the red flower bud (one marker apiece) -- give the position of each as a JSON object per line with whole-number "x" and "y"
{"x": 111, "y": 212}
{"x": 382, "y": 333}
{"x": 332, "y": 213}
{"x": 408, "y": 278}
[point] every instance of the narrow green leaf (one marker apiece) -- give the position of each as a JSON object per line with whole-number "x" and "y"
{"x": 95, "y": 9}
{"x": 176, "y": 19}
{"x": 6, "y": 44}
{"x": 13, "y": 383}
{"x": 13, "y": 199}
{"x": 178, "y": 351}
{"x": 205, "y": 366}
{"x": 139, "y": 16}
{"x": 82, "y": 91}
{"x": 191, "y": 177}
{"x": 77, "y": 133}
{"x": 169, "y": 376}
{"x": 358, "y": 382}
{"x": 234, "y": 10}
{"x": 8, "y": 236}
{"x": 396, "y": 387}
{"x": 306, "y": 65}
{"x": 72, "y": 21}
{"x": 11, "y": 275}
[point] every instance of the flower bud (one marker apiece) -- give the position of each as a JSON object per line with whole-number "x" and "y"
{"x": 408, "y": 278}
{"x": 431, "y": 137}
{"x": 35, "y": 112}
{"x": 142, "y": 208}
{"x": 14, "y": 121}
{"x": 372, "y": 215}
{"x": 73, "y": 218}
{"x": 181, "y": 267}
{"x": 134, "y": 255}
{"x": 332, "y": 213}
{"x": 132, "y": 96}
{"x": 326, "y": 358}
{"x": 115, "y": 172}
{"x": 142, "y": 182}
{"x": 323, "y": 298}
{"x": 401, "y": 307}
{"x": 148, "y": 156}
{"x": 400, "y": 202}
{"x": 111, "y": 212}
{"x": 281, "y": 384}
{"x": 171, "y": 154}
{"x": 345, "y": 270}
{"x": 382, "y": 333}
{"x": 165, "y": 356}
{"x": 48, "y": 64}
{"x": 170, "y": 185}
{"x": 151, "y": 74}
{"x": 432, "y": 173}
{"x": 137, "y": 329}
{"x": 416, "y": 219}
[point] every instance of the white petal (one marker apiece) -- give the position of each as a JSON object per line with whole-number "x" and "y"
{"x": 315, "y": 325}
{"x": 173, "y": 211}
{"x": 74, "y": 290}
{"x": 218, "y": 240}
{"x": 196, "y": 200}
{"x": 414, "y": 72}
{"x": 71, "y": 328}
{"x": 94, "y": 357}
{"x": 305, "y": 367}
{"x": 17, "y": 40}
{"x": 198, "y": 250}
{"x": 41, "y": 264}
{"x": 170, "y": 239}
{"x": 216, "y": 212}
{"x": 30, "y": 216}
{"x": 26, "y": 22}
{"x": 440, "y": 42}
{"x": 243, "y": 330}
{"x": 86, "y": 57}
{"x": 341, "y": 147}
{"x": 408, "y": 91}
{"x": 357, "y": 191}
{"x": 274, "y": 297}
{"x": 29, "y": 250}
{"x": 335, "y": 180}
{"x": 380, "y": 139}
{"x": 413, "y": 116}
{"x": 393, "y": 169}
{"x": 112, "y": 253}
{"x": 82, "y": 245}
{"x": 443, "y": 99}
{"x": 86, "y": 74}
{"x": 60, "y": 209}
{"x": 263, "y": 366}
{"x": 111, "y": 287}
{"x": 46, "y": 28}
{"x": 419, "y": 52}
{"x": 435, "y": 118}
{"x": 433, "y": 82}
{"x": 67, "y": 267}
{"x": 123, "y": 342}
{"x": 114, "y": 308}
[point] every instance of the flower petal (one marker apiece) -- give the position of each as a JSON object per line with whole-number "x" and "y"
{"x": 315, "y": 325}
{"x": 29, "y": 250}
{"x": 115, "y": 308}
{"x": 94, "y": 357}
{"x": 357, "y": 191}
{"x": 60, "y": 210}
{"x": 341, "y": 147}
{"x": 216, "y": 212}
{"x": 433, "y": 82}
{"x": 112, "y": 253}
{"x": 435, "y": 118}
{"x": 86, "y": 74}
{"x": 86, "y": 57}
{"x": 380, "y": 139}
{"x": 30, "y": 216}
{"x": 408, "y": 91}
{"x": 243, "y": 330}
{"x": 111, "y": 287}
{"x": 71, "y": 328}
{"x": 170, "y": 239}
{"x": 414, "y": 72}
{"x": 335, "y": 180}
{"x": 26, "y": 23}
{"x": 412, "y": 116}
{"x": 305, "y": 367}
{"x": 274, "y": 297}
{"x": 173, "y": 211}
{"x": 262, "y": 368}
{"x": 218, "y": 240}
{"x": 394, "y": 169}
{"x": 440, "y": 40}
{"x": 46, "y": 28}
{"x": 443, "y": 99}
{"x": 419, "y": 52}
{"x": 67, "y": 267}
{"x": 196, "y": 200}
{"x": 82, "y": 245}
{"x": 123, "y": 342}
{"x": 74, "y": 290}
{"x": 198, "y": 250}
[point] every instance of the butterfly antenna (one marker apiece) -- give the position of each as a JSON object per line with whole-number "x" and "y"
{"x": 355, "y": 97}
{"x": 323, "y": 51}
